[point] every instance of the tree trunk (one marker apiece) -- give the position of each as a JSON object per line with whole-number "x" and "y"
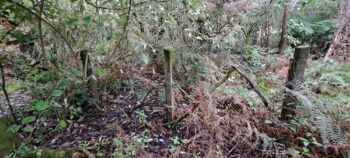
{"x": 169, "y": 92}
{"x": 41, "y": 37}
{"x": 343, "y": 28}
{"x": 283, "y": 41}
{"x": 294, "y": 80}
{"x": 3, "y": 86}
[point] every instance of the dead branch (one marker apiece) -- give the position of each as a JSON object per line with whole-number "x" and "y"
{"x": 245, "y": 76}
{"x": 185, "y": 93}
{"x": 253, "y": 85}
{"x": 56, "y": 30}
{"x": 143, "y": 100}
{"x": 228, "y": 74}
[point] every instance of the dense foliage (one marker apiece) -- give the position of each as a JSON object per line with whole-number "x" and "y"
{"x": 87, "y": 76}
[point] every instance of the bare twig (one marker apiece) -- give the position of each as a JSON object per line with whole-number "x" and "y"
{"x": 56, "y": 30}
{"x": 122, "y": 8}
{"x": 177, "y": 120}
{"x": 125, "y": 32}
{"x": 3, "y": 85}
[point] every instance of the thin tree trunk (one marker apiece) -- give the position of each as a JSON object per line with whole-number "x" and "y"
{"x": 42, "y": 44}
{"x": 3, "y": 85}
{"x": 343, "y": 28}
{"x": 169, "y": 92}
{"x": 294, "y": 80}
{"x": 283, "y": 41}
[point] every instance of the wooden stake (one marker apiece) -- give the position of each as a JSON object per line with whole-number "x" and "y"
{"x": 169, "y": 92}
{"x": 85, "y": 60}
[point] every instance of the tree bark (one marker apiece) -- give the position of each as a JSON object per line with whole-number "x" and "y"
{"x": 294, "y": 80}
{"x": 283, "y": 41}
{"x": 169, "y": 92}
{"x": 41, "y": 36}
{"x": 343, "y": 28}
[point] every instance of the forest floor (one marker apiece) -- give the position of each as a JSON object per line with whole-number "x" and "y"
{"x": 126, "y": 126}
{"x": 133, "y": 121}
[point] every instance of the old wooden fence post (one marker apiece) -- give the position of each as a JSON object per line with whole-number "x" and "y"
{"x": 294, "y": 80}
{"x": 169, "y": 92}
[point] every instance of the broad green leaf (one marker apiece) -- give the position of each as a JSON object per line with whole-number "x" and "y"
{"x": 117, "y": 142}
{"x": 14, "y": 128}
{"x": 29, "y": 119}
{"x": 314, "y": 141}
{"x": 14, "y": 85}
{"x": 305, "y": 141}
{"x": 71, "y": 21}
{"x": 101, "y": 72}
{"x": 56, "y": 93}
{"x": 28, "y": 128}
{"x": 87, "y": 20}
{"x": 123, "y": 19}
{"x": 41, "y": 105}
{"x": 62, "y": 124}
{"x": 77, "y": 72}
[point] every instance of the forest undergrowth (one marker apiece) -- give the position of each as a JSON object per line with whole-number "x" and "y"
{"x": 174, "y": 78}
{"x": 131, "y": 120}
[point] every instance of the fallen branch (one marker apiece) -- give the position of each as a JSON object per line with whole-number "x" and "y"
{"x": 185, "y": 93}
{"x": 143, "y": 100}
{"x": 253, "y": 85}
{"x": 245, "y": 76}
{"x": 228, "y": 74}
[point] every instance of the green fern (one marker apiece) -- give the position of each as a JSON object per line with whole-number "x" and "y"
{"x": 322, "y": 116}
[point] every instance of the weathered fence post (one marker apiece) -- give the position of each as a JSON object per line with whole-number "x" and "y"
{"x": 294, "y": 80}
{"x": 85, "y": 60}
{"x": 169, "y": 92}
